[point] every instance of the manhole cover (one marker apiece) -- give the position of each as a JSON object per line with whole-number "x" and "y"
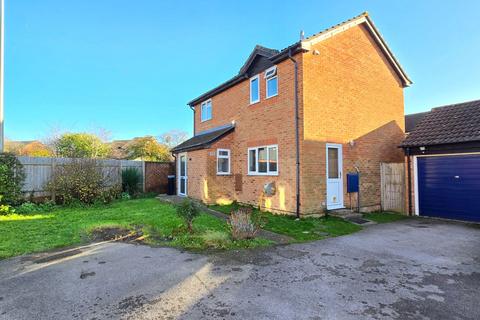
{"x": 358, "y": 220}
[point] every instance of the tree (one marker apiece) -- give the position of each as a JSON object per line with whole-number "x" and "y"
{"x": 173, "y": 138}
{"x": 35, "y": 149}
{"x": 148, "y": 149}
{"x": 81, "y": 145}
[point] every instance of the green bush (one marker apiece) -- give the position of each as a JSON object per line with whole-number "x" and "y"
{"x": 82, "y": 180}
{"x": 5, "y": 208}
{"x": 188, "y": 210}
{"x": 12, "y": 177}
{"x": 31, "y": 207}
{"x": 131, "y": 181}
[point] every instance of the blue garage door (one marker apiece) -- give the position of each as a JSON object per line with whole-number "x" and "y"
{"x": 449, "y": 187}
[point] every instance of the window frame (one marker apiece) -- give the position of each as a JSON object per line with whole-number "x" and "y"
{"x": 228, "y": 157}
{"x": 202, "y": 105}
{"x": 269, "y": 78}
{"x": 256, "y": 77}
{"x": 256, "y": 172}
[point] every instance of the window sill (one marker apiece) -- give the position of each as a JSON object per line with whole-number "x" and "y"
{"x": 223, "y": 174}
{"x": 254, "y": 102}
{"x": 266, "y": 98}
{"x": 205, "y": 120}
{"x": 263, "y": 174}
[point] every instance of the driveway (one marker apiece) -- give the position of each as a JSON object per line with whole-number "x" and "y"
{"x": 413, "y": 269}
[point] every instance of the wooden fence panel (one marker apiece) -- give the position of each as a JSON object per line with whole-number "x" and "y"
{"x": 393, "y": 186}
{"x": 38, "y": 171}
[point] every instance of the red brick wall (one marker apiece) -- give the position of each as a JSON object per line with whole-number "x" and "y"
{"x": 351, "y": 94}
{"x": 156, "y": 174}
{"x": 348, "y": 92}
{"x": 270, "y": 121}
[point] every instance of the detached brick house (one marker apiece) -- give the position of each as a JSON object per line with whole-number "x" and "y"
{"x": 285, "y": 131}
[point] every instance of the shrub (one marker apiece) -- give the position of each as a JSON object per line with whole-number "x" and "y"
{"x": 31, "y": 207}
{"x": 12, "y": 177}
{"x": 242, "y": 225}
{"x": 188, "y": 210}
{"x": 82, "y": 180}
{"x": 125, "y": 196}
{"x": 5, "y": 208}
{"x": 131, "y": 180}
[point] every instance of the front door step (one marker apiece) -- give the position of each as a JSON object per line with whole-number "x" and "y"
{"x": 344, "y": 213}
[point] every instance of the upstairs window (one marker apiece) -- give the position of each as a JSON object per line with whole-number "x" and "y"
{"x": 263, "y": 160}
{"x": 206, "y": 110}
{"x": 254, "y": 90}
{"x": 223, "y": 161}
{"x": 271, "y": 80}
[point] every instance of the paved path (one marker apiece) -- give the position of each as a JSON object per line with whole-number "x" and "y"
{"x": 413, "y": 269}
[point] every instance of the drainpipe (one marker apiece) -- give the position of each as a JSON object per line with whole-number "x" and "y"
{"x": 297, "y": 135}
{"x": 409, "y": 178}
{"x": 193, "y": 109}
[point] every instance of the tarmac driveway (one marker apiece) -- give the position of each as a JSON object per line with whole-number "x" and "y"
{"x": 414, "y": 269}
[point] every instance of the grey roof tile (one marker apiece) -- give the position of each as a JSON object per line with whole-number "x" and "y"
{"x": 454, "y": 123}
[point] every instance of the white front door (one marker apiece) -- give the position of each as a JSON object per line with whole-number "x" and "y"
{"x": 334, "y": 176}
{"x": 182, "y": 174}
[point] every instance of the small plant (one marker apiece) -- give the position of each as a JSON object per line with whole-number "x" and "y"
{"x": 131, "y": 180}
{"x": 242, "y": 224}
{"x": 5, "y": 208}
{"x": 125, "y": 196}
{"x": 12, "y": 177}
{"x": 188, "y": 210}
{"x": 31, "y": 207}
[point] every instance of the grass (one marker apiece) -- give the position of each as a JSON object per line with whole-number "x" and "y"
{"x": 384, "y": 217}
{"x": 305, "y": 229}
{"x": 36, "y": 232}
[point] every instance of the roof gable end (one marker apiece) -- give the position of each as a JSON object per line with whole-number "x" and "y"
{"x": 258, "y": 52}
{"x": 368, "y": 23}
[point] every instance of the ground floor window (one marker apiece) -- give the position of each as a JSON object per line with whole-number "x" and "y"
{"x": 223, "y": 161}
{"x": 263, "y": 160}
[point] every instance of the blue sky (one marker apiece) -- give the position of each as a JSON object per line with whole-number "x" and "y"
{"x": 130, "y": 67}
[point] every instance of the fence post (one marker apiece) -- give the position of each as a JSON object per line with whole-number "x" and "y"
{"x": 54, "y": 168}
{"x": 143, "y": 174}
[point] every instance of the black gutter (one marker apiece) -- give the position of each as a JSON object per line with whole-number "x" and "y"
{"x": 409, "y": 178}
{"x": 297, "y": 134}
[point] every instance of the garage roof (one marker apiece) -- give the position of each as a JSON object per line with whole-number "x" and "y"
{"x": 449, "y": 124}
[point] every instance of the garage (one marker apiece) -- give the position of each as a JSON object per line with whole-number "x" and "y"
{"x": 442, "y": 150}
{"x": 449, "y": 186}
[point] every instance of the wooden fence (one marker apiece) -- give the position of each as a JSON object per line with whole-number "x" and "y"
{"x": 38, "y": 171}
{"x": 393, "y": 186}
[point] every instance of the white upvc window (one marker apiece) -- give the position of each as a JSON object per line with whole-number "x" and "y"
{"x": 271, "y": 82}
{"x": 263, "y": 160}
{"x": 223, "y": 161}
{"x": 254, "y": 89}
{"x": 206, "y": 110}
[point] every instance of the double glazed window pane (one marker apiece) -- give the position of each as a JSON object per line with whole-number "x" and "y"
{"x": 333, "y": 163}
{"x": 262, "y": 160}
{"x": 272, "y": 87}
{"x": 252, "y": 160}
{"x": 254, "y": 92}
{"x": 272, "y": 159}
{"x": 223, "y": 165}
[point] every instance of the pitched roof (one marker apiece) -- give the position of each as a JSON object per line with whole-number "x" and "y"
{"x": 411, "y": 120}
{"x": 304, "y": 45}
{"x": 454, "y": 123}
{"x": 203, "y": 139}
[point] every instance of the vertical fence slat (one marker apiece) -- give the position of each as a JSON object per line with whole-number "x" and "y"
{"x": 392, "y": 177}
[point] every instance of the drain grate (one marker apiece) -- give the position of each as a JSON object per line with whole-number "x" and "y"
{"x": 357, "y": 220}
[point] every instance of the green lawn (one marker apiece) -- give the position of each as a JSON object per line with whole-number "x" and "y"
{"x": 21, "y": 234}
{"x": 304, "y": 229}
{"x": 383, "y": 217}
